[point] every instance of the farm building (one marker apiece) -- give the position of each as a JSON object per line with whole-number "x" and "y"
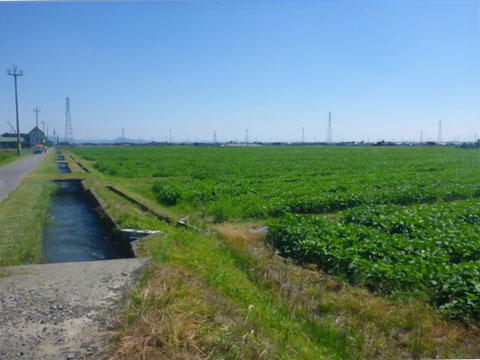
{"x": 10, "y": 142}
{"x": 34, "y": 137}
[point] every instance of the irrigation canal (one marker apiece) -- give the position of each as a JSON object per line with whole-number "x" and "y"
{"x": 74, "y": 231}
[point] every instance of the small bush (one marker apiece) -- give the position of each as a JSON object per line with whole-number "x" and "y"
{"x": 166, "y": 194}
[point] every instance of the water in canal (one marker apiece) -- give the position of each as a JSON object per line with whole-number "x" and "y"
{"x": 63, "y": 167}
{"x": 74, "y": 231}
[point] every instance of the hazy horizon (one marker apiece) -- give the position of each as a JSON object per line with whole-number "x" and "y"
{"x": 386, "y": 70}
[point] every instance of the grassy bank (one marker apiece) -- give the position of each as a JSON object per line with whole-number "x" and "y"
{"x": 228, "y": 296}
{"x": 8, "y": 156}
{"x": 23, "y": 214}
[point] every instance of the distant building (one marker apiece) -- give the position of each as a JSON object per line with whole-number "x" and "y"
{"x": 9, "y": 142}
{"x": 34, "y": 137}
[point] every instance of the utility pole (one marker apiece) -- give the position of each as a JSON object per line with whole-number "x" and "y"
{"x": 15, "y": 72}
{"x": 123, "y": 132}
{"x": 214, "y": 137}
{"x": 47, "y": 132}
{"x": 303, "y": 134}
{"x": 246, "y": 136}
{"x": 43, "y": 127}
{"x": 421, "y": 136}
{"x": 170, "y": 135}
{"x": 36, "y": 110}
{"x": 54, "y": 136}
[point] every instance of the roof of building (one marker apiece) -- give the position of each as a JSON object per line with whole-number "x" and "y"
{"x": 10, "y": 139}
{"x": 24, "y": 135}
{"x": 36, "y": 128}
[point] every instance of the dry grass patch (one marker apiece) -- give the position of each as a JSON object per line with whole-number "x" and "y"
{"x": 177, "y": 316}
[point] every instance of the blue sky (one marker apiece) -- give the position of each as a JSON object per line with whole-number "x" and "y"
{"x": 386, "y": 69}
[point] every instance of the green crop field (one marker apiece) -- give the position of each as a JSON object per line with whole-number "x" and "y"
{"x": 398, "y": 220}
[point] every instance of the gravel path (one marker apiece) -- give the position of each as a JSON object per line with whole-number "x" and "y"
{"x": 11, "y": 175}
{"x": 62, "y": 311}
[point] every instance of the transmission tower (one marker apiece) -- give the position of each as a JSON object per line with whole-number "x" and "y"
{"x": 36, "y": 111}
{"x": 68, "y": 123}
{"x": 329, "y": 132}
{"x": 439, "y": 138}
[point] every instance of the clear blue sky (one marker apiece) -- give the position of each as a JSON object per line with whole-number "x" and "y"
{"x": 386, "y": 69}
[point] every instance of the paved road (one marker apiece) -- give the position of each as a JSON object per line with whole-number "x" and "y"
{"x": 12, "y": 174}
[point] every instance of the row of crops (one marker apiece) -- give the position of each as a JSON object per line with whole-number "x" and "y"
{"x": 431, "y": 251}
{"x": 230, "y": 183}
{"x": 225, "y": 199}
{"x": 398, "y": 220}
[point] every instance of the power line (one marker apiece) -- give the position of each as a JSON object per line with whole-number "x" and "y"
{"x": 15, "y": 72}
{"x": 11, "y": 126}
{"x": 68, "y": 123}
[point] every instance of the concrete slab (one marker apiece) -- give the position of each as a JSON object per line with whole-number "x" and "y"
{"x": 62, "y": 311}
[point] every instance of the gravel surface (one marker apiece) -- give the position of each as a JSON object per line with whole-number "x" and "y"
{"x": 62, "y": 311}
{"x": 11, "y": 175}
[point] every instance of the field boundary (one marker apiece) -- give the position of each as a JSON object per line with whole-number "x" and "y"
{"x": 83, "y": 167}
{"x": 145, "y": 208}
